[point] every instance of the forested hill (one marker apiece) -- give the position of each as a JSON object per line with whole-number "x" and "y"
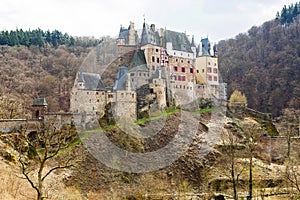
{"x": 42, "y": 38}
{"x": 264, "y": 63}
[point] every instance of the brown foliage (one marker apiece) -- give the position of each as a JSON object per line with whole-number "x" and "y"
{"x": 36, "y": 71}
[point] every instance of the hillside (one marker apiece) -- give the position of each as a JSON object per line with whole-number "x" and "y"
{"x": 28, "y": 72}
{"x": 264, "y": 63}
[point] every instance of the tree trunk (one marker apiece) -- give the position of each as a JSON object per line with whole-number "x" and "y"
{"x": 250, "y": 178}
{"x": 233, "y": 182}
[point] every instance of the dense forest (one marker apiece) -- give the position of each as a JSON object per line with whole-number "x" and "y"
{"x": 288, "y": 13}
{"x": 264, "y": 63}
{"x": 42, "y": 38}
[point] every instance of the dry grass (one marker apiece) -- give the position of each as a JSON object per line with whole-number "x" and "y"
{"x": 14, "y": 187}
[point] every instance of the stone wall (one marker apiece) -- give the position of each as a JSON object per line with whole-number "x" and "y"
{"x": 87, "y": 101}
{"x": 125, "y": 105}
{"x": 11, "y": 125}
{"x": 158, "y": 86}
{"x": 139, "y": 78}
{"x": 152, "y": 54}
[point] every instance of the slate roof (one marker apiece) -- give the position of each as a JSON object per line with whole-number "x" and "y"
{"x": 138, "y": 59}
{"x": 150, "y": 36}
{"x": 179, "y": 41}
{"x": 39, "y": 102}
{"x": 91, "y": 81}
{"x": 121, "y": 79}
{"x": 205, "y": 47}
{"x": 140, "y": 68}
{"x": 124, "y": 33}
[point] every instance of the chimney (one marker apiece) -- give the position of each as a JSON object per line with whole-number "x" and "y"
{"x": 152, "y": 27}
{"x": 128, "y": 86}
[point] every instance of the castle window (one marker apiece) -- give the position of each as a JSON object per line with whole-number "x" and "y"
{"x": 179, "y": 78}
{"x": 189, "y": 61}
{"x": 98, "y": 100}
{"x": 184, "y": 87}
{"x": 157, "y": 60}
{"x": 102, "y": 93}
{"x": 183, "y": 78}
{"x": 132, "y": 95}
{"x": 182, "y": 69}
{"x": 176, "y": 60}
{"x": 140, "y": 74}
{"x": 215, "y": 64}
{"x": 156, "y": 50}
{"x": 90, "y": 100}
{"x": 87, "y": 93}
{"x": 209, "y": 69}
{"x": 208, "y": 63}
{"x": 132, "y": 74}
{"x": 215, "y": 78}
{"x": 110, "y": 96}
{"x": 153, "y": 59}
{"x": 197, "y": 71}
{"x": 144, "y": 74}
{"x": 175, "y": 69}
{"x": 210, "y": 78}
{"x": 97, "y": 93}
{"x": 174, "y": 53}
{"x": 191, "y": 70}
{"x": 202, "y": 70}
{"x": 188, "y": 55}
{"x": 181, "y": 61}
{"x": 215, "y": 70}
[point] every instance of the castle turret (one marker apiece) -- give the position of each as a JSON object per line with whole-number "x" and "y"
{"x": 215, "y": 48}
{"x": 193, "y": 46}
{"x": 131, "y": 34}
{"x": 39, "y": 108}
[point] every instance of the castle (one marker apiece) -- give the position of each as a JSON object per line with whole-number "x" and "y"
{"x": 166, "y": 66}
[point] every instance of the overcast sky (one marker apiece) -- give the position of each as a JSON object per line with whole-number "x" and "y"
{"x": 219, "y": 19}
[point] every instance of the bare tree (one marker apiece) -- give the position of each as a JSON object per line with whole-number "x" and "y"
{"x": 41, "y": 153}
{"x": 230, "y": 160}
{"x": 252, "y": 131}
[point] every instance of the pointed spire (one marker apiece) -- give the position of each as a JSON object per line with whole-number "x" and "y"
{"x": 193, "y": 41}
